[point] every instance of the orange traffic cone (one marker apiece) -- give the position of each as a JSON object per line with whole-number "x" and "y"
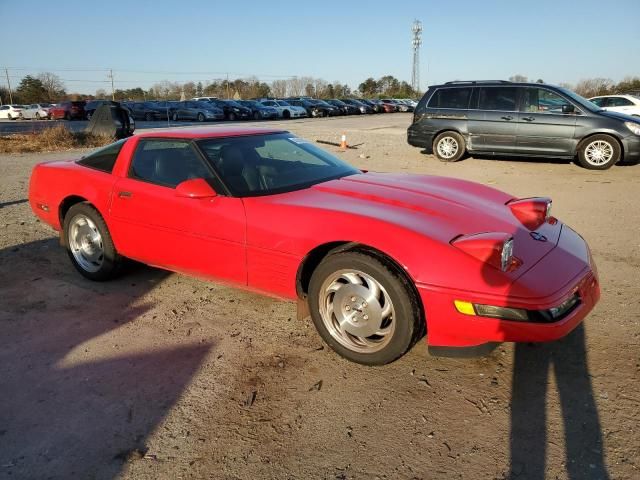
{"x": 343, "y": 142}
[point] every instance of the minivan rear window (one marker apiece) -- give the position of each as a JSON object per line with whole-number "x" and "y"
{"x": 451, "y": 98}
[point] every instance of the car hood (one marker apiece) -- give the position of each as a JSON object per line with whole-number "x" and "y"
{"x": 619, "y": 116}
{"x": 439, "y": 208}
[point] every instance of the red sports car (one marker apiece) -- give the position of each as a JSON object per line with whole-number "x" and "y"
{"x": 376, "y": 259}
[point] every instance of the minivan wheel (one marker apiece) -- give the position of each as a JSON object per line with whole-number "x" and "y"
{"x": 449, "y": 147}
{"x": 599, "y": 152}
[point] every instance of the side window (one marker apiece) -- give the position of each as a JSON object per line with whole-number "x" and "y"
{"x": 620, "y": 102}
{"x": 167, "y": 162}
{"x": 103, "y": 159}
{"x": 598, "y": 101}
{"x": 451, "y": 98}
{"x": 542, "y": 101}
{"x": 498, "y": 98}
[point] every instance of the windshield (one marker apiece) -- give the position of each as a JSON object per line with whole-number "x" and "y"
{"x": 268, "y": 164}
{"x": 583, "y": 102}
{"x": 232, "y": 103}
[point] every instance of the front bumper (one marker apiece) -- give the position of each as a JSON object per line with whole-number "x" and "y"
{"x": 631, "y": 148}
{"x": 447, "y": 327}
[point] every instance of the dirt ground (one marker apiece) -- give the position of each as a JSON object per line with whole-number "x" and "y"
{"x": 161, "y": 376}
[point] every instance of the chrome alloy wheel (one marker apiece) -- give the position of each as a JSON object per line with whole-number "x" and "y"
{"x": 447, "y": 147}
{"x": 357, "y": 311}
{"x": 85, "y": 243}
{"x": 598, "y": 152}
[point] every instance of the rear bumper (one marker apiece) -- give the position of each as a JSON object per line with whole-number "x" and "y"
{"x": 446, "y": 327}
{"x": 417, "y": 138}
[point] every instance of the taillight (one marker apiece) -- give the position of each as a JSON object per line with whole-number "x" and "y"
{"x": 532, "y": 212}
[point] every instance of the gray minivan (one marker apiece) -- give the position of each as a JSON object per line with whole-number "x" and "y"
{"x": 526, "y": 119}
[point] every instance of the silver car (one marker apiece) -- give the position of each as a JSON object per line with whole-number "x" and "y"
{"x": 36, "y": 111}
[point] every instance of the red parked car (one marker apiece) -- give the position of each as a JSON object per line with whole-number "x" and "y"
{"x": 376, "y": 259}
{"x": 68, "y": 110}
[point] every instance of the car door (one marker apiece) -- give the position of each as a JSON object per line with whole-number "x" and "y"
{"x": 151, "y": 224}
{"x": 544, "y": 127}
{"x": 623, "y": 105}
{"x": 493, "y": 128}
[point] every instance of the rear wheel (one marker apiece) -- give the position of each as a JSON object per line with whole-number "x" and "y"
{"x": 89, "y": 243}
{"x": 174, "y": 117}
{"x": 365, "y": 311}
{"x": 67, "y": 116}
{"x": 232, "y": 116}
{"x": 201, "y": 117}
{"x": 599, "y": 152}
{"x": 148, "y": 117}
{"x": 449, "y": 147}
{"x": 37, "y": 116}
{"x": 256, "y": 116}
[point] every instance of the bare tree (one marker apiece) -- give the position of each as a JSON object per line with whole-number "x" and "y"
{"x": 101, "y": 93}
{"x": 518, "y": 78}
{"x": 592, "y": 87}
{"x": 279, "y": 88}
{"x": 53, "y": 86}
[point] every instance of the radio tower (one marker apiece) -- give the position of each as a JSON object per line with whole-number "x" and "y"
{"x": 416, "y": 32}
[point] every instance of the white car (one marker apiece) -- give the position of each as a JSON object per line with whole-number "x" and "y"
{"x": 284, "y": 109}
{"x": 628, "y": 104}
{"x": 12, "y": 112}
{"x": 36, "y": 111}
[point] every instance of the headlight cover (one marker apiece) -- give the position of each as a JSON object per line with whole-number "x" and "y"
{"x": 634, "y": 127}
{"x": 493, "y": 248}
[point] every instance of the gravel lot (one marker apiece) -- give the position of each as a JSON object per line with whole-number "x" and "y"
{"x": 158, "y": 375}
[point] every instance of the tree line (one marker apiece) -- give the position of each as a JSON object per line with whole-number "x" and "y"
{"x": 593, "y": 87}
{"x": 48, "y": 87}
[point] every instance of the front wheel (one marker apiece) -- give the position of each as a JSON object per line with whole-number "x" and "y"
{"x": 362, "y": 309}
{"x": 148, "y": 117}
{"x": 201, "y": 117}
{"x": 232, "y": 117}
{"x": 174, "y": 117}
{"x": 286, "y": 114}
{"x": 599, "y": 152}
{"x": 256, "y": 116}
{"x": 449, "y": 147}
{"x": 89, "y": 243}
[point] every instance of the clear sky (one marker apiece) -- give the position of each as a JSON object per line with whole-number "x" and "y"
{"x": 148, "y": 41}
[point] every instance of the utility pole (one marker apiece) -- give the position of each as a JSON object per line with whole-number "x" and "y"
{"x": 6, "y": 71}
{"x": 416, "y": 31}
{"x": 113, "y": 95}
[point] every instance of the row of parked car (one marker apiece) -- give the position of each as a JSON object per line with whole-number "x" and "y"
{"x": 212, "y": 108}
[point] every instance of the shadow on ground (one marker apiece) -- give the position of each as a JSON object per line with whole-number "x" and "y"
{"x": 79, "y": 418}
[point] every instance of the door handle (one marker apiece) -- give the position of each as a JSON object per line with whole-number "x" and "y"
{"x": 528, "y": 119}
{"x": 508, "y": 117}
{"x": 124, "y": 194}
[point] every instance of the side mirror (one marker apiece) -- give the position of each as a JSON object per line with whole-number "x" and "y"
{"x": 195, "y": 188}
{"x": 568, "y": 108}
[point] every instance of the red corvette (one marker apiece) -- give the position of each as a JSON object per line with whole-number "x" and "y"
{"x": 376, "y": 259}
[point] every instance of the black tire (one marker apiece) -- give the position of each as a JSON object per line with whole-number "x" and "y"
{"x": 37, "y": 115}
{"x": 200, "y": 117}
{"x": 9, "y": 117}
{"x": 256, "y": 116}
{"x": 67, "y": 116}
{"x": 148, "y": 117}
{"x": 286, "y": 114}
{"x": 449, "y": 146}
{"x": 232, "y": 116}
{"x": 408, "y": 324}
{"x": 606, "y": 144}
{"x": 111, "y": 261}
{"x": 88, "y": 115}
{"x": 174, "y": 116}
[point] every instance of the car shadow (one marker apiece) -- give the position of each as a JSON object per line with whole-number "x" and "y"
{"x": 71, "y": 405}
